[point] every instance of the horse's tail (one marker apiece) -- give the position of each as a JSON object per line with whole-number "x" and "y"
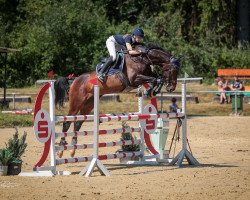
{"x": 61, "y": 90}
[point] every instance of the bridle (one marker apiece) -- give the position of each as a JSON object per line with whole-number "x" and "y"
{"x": 173, "y": 63}
{"x": 166, "y": 78}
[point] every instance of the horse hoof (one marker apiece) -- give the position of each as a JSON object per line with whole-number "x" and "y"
{"x": 60, "y": 154}
{"x": 72, "y": 153}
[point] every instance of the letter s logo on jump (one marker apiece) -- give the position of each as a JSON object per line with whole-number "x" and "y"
{"x": 42, "y": 129}
{"x": 149, "y": 125}
{"x": 42, "y": 126}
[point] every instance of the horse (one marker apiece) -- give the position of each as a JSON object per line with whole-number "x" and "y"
{"x": 136, "y": 72}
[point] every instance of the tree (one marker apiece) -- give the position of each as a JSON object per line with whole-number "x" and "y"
{"x": 69, "y": 36}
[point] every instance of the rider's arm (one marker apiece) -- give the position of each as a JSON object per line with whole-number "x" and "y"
{"x": 131, "y": 51}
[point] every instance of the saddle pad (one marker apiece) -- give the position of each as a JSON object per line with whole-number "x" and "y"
{"x": 116, "y": 67}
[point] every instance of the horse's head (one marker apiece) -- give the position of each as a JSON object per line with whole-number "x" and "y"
{"x": 169, "y": 64}
{"x": 170, "y": 72}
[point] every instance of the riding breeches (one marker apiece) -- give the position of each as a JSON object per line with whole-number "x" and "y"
{"x": 111, "y": 46}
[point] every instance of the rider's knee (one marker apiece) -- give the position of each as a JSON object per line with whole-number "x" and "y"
{"x": 113, "y": 58}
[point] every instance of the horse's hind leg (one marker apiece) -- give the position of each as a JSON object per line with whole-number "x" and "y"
{"x": 85, "y": 110}
{"x": 66, "y": 125}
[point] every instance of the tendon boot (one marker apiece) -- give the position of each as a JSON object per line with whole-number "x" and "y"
{"x": 148, "y": 92}
{"x": 102, "y": 74}
{"x": 63, "y": 142}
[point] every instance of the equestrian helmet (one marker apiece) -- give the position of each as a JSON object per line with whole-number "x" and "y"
{"x": 138, "y": 32}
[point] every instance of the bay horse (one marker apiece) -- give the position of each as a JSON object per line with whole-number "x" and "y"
{"x": 136, "y": 71}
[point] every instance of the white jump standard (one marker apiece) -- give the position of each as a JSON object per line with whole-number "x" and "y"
{"x": 184, "y": 152}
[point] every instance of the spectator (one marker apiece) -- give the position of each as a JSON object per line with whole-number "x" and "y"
{"x": 173, "y": 107}
{"x": 222, "y": 86}
{"x": 236, "y": 84}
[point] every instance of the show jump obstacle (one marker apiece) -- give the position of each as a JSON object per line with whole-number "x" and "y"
{"x": 44, "y": 128}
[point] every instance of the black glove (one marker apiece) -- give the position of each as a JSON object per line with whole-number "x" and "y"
{"x": 143, "y": 50}
{"x": 125, "y": 51}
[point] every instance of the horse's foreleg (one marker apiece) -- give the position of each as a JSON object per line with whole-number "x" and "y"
{"x": 149, "y": 91}
{"x": 156, "y": 83}
{"x": 139, "y": 79}
{"x": 158, "y": 88}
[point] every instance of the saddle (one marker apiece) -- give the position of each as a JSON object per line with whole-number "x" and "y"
{"x": 116, "y": 67}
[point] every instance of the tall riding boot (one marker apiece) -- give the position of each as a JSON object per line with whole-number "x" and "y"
{"x": 102, "y": 74}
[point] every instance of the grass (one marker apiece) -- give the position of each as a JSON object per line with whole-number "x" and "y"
{"x": 206, "y": 106}
{"x": 10, "y": 120}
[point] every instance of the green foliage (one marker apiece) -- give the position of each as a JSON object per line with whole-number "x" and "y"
{"x": 17, "y": 145}
{"x": 203, "y": 32}
{"x": 6, "y": 157}
{"x": 129, "y": 136}
{"x": 8, "y": 120}
{"x": 130, "y": 10}
{"x": 69, "y": 36}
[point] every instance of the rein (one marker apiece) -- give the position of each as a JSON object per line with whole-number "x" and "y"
{"x": 139, "y": 58}
{"x": 158, "y": 56}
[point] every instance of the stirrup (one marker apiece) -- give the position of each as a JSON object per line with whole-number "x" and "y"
{"x": 101, "y": 77}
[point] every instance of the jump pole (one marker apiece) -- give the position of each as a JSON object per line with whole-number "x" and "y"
{"x": 95, "y": 162}
{"x": 184, "y": 152}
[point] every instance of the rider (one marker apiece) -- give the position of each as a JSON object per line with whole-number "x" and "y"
{"x": 126, "y": 41}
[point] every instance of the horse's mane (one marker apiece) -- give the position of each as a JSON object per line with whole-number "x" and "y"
{"x": 151, "y": 46}
{"x": 155, "y": 46}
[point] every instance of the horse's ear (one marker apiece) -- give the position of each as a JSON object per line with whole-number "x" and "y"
{"x": 176, "y": 62}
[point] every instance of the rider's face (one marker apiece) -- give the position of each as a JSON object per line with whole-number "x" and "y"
{"x": 138, "y": 39}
